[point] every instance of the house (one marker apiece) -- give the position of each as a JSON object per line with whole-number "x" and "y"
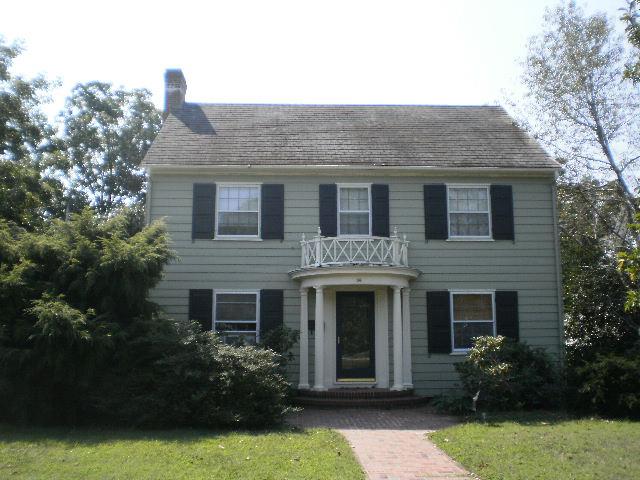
{"x": 389, "y": 236}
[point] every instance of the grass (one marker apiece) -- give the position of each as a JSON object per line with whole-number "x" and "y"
{"x": 545, "y": 445}
{"x": 90, "y": 453}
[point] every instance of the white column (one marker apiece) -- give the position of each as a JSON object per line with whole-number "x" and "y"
{"x": 406, "y": 338}
{"x": 397, "y": 340}
{"x": 304, "y": 339}
{"x": 319, "y": 340}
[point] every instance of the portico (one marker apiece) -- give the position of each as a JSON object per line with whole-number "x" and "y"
{"x": 355, "y": 304}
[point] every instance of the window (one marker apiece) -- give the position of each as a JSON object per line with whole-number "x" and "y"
{"x": 236, "y": 316}
{"x": 472, "y": 315}
{"x": 354, "y": 210}
{"x": 238, "y": 211}
{"x": 469, "y": 212}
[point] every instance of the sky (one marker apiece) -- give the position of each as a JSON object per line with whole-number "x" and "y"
{"x": 358, "y": 52}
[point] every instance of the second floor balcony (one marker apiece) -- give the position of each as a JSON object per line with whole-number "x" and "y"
{"x": 320, "y": 251}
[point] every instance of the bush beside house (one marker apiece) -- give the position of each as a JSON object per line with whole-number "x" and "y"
{"x": 80, "y": 342}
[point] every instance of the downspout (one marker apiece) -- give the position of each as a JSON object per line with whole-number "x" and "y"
{"x": 147, "y": 200}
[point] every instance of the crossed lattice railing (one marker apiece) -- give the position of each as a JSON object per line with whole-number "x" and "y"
{"x": 325, "y": 251}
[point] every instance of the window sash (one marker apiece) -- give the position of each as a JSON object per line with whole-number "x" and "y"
{"x": 477, "y": 321}
{"x": 486, "y": 212}
{"x": 347, "y": 212}
{"x": 252, "y": 334}
{"x": 254, "y": 195}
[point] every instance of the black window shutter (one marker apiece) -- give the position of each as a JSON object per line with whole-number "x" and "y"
{"x": 204, "y": 210}
{"x": 507, "y": 315}
{"x": 272, "y": 212}
{"x": 329, "y": 209}
{"x": 438, "y": 322}
{"x": 271, "y": 310}
{"x": 380, "y": 210}
{"x": 201, "y": 307}
{"x": 435, "y": 212}
{"x": 502, "y": 212}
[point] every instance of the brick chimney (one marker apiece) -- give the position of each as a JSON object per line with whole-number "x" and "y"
{"x": 175, "y": 89}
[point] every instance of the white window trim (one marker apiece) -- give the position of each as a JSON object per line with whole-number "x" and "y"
{"x": 460, "y": 351}
{"x": 354, "y": 185}
{"x": 488, "y": 237}
{"x": 242, "y": 292}
{"x": 219, "y": 187}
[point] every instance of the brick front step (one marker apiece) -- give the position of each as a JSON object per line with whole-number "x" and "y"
{"x": 359, "y": 397}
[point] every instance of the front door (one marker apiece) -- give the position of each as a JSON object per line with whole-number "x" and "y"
{"x": 355, "y": 336}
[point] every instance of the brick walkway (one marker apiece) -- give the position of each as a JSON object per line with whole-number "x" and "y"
{"x": 390, "y": 444}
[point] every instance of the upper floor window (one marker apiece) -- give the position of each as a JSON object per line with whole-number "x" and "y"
{"x": 354, "y": 210}
{"x": 236, "y": 316}
{"x": 472, "y": 315}
{"x": 469, "y": 211}
{"x": 238, "y": 210}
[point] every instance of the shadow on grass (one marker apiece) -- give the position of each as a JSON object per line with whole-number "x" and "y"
{"x": 534, "y": 418}
{"x": 89, "y": 436}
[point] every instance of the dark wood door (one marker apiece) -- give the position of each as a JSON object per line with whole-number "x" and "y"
{"x": 355, "y": 317}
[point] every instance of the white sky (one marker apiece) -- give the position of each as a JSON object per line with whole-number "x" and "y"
{"x": 323, "y": 51}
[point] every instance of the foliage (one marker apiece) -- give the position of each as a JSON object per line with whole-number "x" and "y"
{"x": 632, "y": 28}
{"x": 611, "y": 384}
{"x": 27, "y": 199}
{"x": 508, "y": 375}
{"x": 543, "y": 445}
{"x": 80, "y": 341}
{"x": 577, "y": 102}
{"x": 98, "y": 454}
{"x": 24, "y": 131}
{"x": 594, "y": 291}
{"x": 629, "y": 264}
{"x": 107, "y": 132}
{"x": 453, "y": 403}
{"x": 171, "y": 374}
{"x": 66, "y": 293}
{"x": 281, "y": 340}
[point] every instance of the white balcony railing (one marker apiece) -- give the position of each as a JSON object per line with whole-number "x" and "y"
{"x": 322, "y": 251}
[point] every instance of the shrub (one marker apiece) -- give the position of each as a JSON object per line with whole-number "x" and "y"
{"x": 80, "y": 341}
{"x": 508, "y": 375}
{"x": 611, "y": 384}
{"x": 171, "y": 374}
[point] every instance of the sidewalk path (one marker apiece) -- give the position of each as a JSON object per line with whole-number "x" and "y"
{"x": 390, "y": 444}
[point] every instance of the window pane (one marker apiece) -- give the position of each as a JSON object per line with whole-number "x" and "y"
{"x": 239, "y": 198}
{"x": 354, "y": 198}
{"x": 469, "y": 224}
{"x": 236, "y": 327}
{"x": 463, "y": 333}
{"x": 231, "y": 307}
{"x": 468, "y": 200}
{"x": 354, "y": 223}
{"x": 472, "y": 307}
{"x": 239, "y": 338}
{"x": 241, "y": 223}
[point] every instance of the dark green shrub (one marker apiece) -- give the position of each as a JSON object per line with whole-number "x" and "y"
{"x": 508, "y": 375}
{"x": 611, "y": 384}
{"x": 170, "y": 374}
{"x": 281, "y": 340}
{"x": 80, "y": 341}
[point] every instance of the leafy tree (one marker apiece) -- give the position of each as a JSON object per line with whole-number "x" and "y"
{"x": 629, "y": 263}
{"x": 24, "y": 130}
{"x": 594, "y": 290}
{"x": 631, "y": 18}
{"x": 26, "y": 198}
{"x": 107, "y": 131}
{"x": 578, "y": 104}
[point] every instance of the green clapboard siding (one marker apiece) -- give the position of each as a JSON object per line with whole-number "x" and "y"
{"x": 527, "y": 264}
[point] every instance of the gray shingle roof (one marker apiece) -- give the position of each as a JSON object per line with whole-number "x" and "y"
{"x": 345, "y": 135}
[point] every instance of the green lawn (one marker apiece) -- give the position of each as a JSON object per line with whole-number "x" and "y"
{"x": 545, "y": 446}
{"x": 55, "y": 453}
